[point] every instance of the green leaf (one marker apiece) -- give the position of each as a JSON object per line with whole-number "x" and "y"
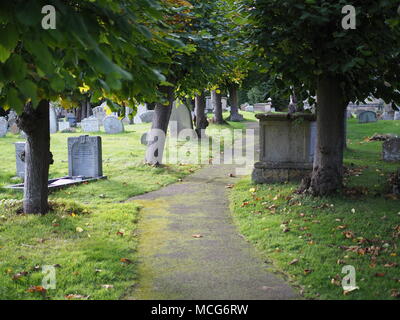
{"x": 57, "y": 84}
{"x": 9, "y": 37}
{"x": 29, "y": 90}
{"x": 13, "y": 100}
{"x": 4, "y": 54}
{"x": 15, "y": 68}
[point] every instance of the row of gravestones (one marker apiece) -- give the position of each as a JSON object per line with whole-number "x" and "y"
{"x": 9, "y": 125}
{"x": 84, "y": 157}
{"x": 370, "y": 116}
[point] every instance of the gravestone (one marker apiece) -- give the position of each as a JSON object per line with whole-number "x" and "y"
{"x": 209, "y": 107}
{"x": 147, "y": 116}
{"x": 3, "y": 127}
{"x": 388, "y": 115}
{"x": 14, "y": 129}
{"x": 224, "y": 103}
{"x": 287, "y": 147}
{"x": 126, "y": 119}
{"x": 180, "y": 120}
{"x": 113, "y": 125}
{"x": 53, "y": 120}
{"x": 397, "y": 115}
{"x": 262, "y": 107}
{"x": 90, "y": 125}
{"x": 367, "y": 117}
{"x": 140, "y": 110}
{"x": 143, "y": 139}
{"x": 349, "y": 114}
{"x": 12, "y": 118}
{"x": 63, "y": 125}
{"x": 100, "y": 113}
{"x": 85, "y": 157}
{"x": 391, "y": 150}
{"x": 20, "y": 159}
{"x": 249, "y": 108}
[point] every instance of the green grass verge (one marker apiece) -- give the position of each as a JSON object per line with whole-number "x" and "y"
{"x": 360, "y": 227}
{"x": 90, "y": 228}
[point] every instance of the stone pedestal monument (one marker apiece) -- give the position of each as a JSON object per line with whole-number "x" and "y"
{"x": 287, "y": 146}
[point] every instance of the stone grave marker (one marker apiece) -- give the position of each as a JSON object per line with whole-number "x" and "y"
{"x": 147, "y": 116}
{"x": 180, "y": 120}
{"x": 53, "y": 120}
{"x": 140, "y": 110}
{"x": 63, "y": 125}
{"x": 397, "y": 115}
{"x": 367, "y": 117}
{"x": 388, "y": 115}
{"x": 14, "y": 129}
{"x": 85, "y": 157}
{"x": 90, "y": 125}
{"x": 100, "y": 113}
{"x": 287, "y": 147}
{"x": 113, "y": 125}
{"x": 143, "y": 139}
{"x": 3, "y": 127}
{"x": 12, "y": 118}
{"x": 20, "y": 159}
{"x": 391, "y": 150}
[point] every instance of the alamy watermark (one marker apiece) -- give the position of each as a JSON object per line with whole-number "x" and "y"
{"x": 49, "y": 20}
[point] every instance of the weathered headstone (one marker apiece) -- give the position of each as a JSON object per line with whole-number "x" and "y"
{"x": 287, "y": 147}
{"x": 262, "y": 107}
{"x": 388, "y": 115}
{"x": 140, "y": 110}
{"x": 85, "y": 157}
{"x": 14, "y": 129}
{"x": 20, "y": 159}
{"x": 53, "y": 120}
{"x": 209, "y": 107}
{"x": 391, "y": 150}
{"x": 100, "y": 112}
{"x": 367, "y": 117}
{"x": 90, "y": 125}
{"x": 143, "y": 139}
{"x": 147, "y": 116}
{"x": 180, "y": 120}
{"x": 126, "y": 119}
{"x": 397, "y": 115}
{"x": 224, "y": 103}
{"x": 249, "y": 108}
{"x": 113, "y": 125}
{"x": 3, "y": 126}
{"x": 12, "y": 118}
{"x": 349, "y": 115}
{"x": 63, "y": 125}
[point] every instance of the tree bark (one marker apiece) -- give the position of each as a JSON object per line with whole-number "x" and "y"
{"x": 234, "y": 99}
{"x": 327, "y": 176}
{"x": 216, "y": 102}
{"x": 35, "y": 123}
{"x": 201, "y": 118}
{"x": 162, "y": 113}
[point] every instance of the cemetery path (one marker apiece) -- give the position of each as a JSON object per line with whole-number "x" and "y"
{"x": 190, "y": 248}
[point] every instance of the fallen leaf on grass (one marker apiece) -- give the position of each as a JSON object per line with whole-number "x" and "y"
{"x": 19, "y": 275}
{"x": 307, "y": 271}
{"x": 348, "y": 234}
{"x": 125, "y": 260}
{"x": 36, "y": 289}
{"x": 75, "y": 296}
{"x": 395, "y": 293}
{"x": 107, "y": 286}
{"x": 390, "y": 265}
{"x": 246, "y": 203}
{"x": 294, "y": 261}
{"x": 380, "y": 274}
{"x": 229, "y": 186}
{"x": 197, "y": 236}
{"x": 79, "y": 229}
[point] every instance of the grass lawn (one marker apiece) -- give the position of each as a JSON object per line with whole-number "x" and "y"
{"x": 309, "y": 240}
{"x": 89, "y": 236}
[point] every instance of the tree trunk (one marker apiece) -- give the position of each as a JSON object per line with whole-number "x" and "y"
{"x": 201, "y": 118}
{"x": 234, "y": 99}
{"x": 216, "y": 102}
{"x": 155, "y": 140}
{"x": 35, "y": 123}
{"x": 327, "y": 173}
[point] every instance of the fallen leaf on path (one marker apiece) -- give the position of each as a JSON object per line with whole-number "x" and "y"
{"x": 197, "y": 236}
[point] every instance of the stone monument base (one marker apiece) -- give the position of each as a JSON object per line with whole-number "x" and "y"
{"x": 279, "y": 172}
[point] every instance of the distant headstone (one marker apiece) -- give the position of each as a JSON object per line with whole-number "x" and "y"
{"x": 126, "y": 119}
{"x": 388, "y": 115}
{"x": 20, "y": 159}
{"x": 209, "y": 107}
{"x": 14, "y": 129}
{"x": 397, "y": 115}
{"x": 367, "y": 117}
{"x": 391, "y": 150}
{"x": 53, "y": 120}
{"x": 143, "y": 139}
{"x": 63, "y": 125}
{"x": 180, "y": 120}
{"x": 3, "y": 126}
{"x": 224, "y": 102}
{"x": 349, "y": 115}
{"x": 147, "y": 116}
{"x": 100, "y": 113}
{"x": 249, "y": 108}
{"x": 262, "y": 107}
{"x": 140, "y": 110}
{"x": 90, "y": 125}
{"x": 85, "y": 157}
{"x": 113, "y": 125}
{"x": 12, "y": 118}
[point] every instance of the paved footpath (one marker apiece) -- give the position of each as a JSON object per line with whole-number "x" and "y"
{"x": 219, "y": 265}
